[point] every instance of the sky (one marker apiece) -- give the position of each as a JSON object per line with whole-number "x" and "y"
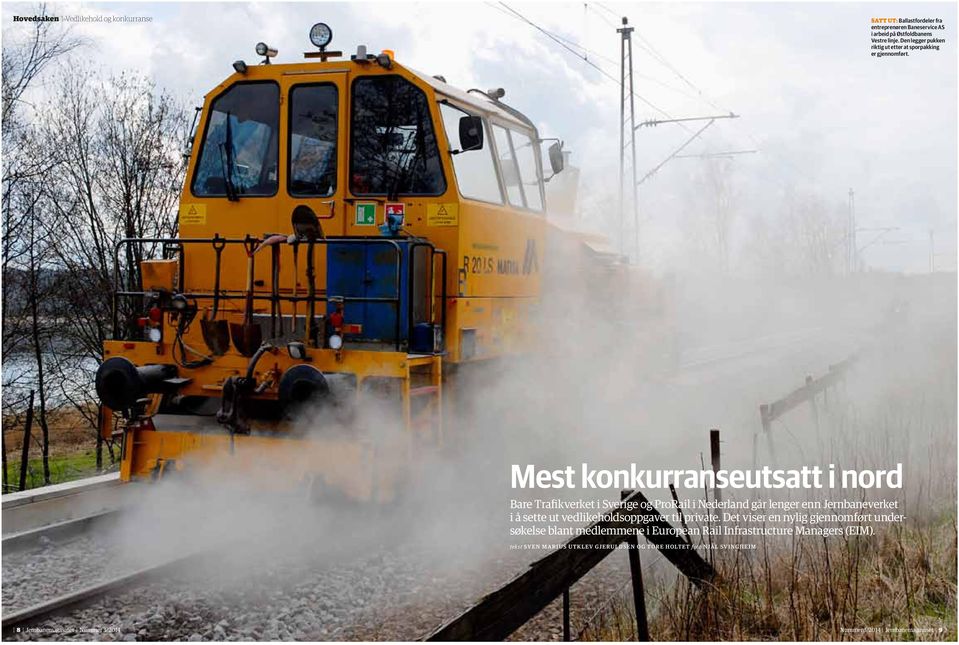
{"x": 823, "y": 115}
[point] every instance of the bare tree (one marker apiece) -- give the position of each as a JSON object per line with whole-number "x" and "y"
{"x": 816, "y": 234}
{"x": 718, "y": 179}
{"x": 119, "y": 172}
{"x": 36, "y": 238}
{"x": 80, "y": 174}
{"x": 119, "y": 176}
{"x": 26, "y": 55}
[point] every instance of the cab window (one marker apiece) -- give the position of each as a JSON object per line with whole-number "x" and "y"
{"x": 507, "y": 164}
{"x": 475, "y": 169}
{"x": 313, "y": 126}
{"x": 393, "y": 147}
{"x": 239, "y": 152}
{"x": 528, "y": 170}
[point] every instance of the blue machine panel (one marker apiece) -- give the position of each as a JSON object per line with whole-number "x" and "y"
{"x": 369, "y": 270}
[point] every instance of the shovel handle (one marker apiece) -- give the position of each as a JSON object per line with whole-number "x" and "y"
{"x": 249, "y": 244}
{"x": 219, "y": 244}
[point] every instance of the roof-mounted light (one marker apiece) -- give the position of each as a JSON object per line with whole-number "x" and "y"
{"x": 321, "y": 35}
{"x": 262, "y": 49}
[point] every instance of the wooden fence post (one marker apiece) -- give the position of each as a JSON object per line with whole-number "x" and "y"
{"x": 636, "y": 573}
{"x": 99, "y": 449}
{"x": 25, "y": 452}
{"x": 3, "y": 442}
{"x": 825, "y": 392}
{"x": 717, "y": 491}
{"x": 815, "y": 410}
{"x": 566, "y": 631}
{"x": 682, "y": 517}
{"x": 766, "y": 422}
{"x": 500, "y": 613}
{"x": 714, "y": 459}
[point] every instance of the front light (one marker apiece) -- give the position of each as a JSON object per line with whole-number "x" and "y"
{"x": 296, "y": 350}
{"x": 321, "y": 35}
{"x": 336, "y": 341}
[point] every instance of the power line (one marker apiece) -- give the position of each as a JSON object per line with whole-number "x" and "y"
{"x": 607, "y": 9}
{"x": 583, "y": 58}
{"x": 676, "y": 151}
{"x": 568, "y": 45}
{"x": 587, "y": 52}
{"x": 604, "y": 18}
{"x": 663, "y": 61}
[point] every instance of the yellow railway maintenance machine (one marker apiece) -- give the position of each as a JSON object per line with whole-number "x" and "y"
{"x": 348, "y": 228}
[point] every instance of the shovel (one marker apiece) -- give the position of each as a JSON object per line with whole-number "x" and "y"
{"x": 296, "y": 269}
{"x": 216, "y": 333}
{"x": 273, "y": 242}
{"x": 247, "y": 336}
{"x": 306, "y": 225}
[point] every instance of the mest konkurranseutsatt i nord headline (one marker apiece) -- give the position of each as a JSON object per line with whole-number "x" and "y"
{"x": 808, "y": 477}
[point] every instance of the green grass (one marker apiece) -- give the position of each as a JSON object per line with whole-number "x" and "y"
{"x": 63, "y": 468}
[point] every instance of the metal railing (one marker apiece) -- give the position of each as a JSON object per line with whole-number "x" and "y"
{"x": 177, "y": 247}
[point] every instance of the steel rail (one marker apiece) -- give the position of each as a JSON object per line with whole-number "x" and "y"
{"x": 48, "y": 608}
{"x": 64, "y": 530}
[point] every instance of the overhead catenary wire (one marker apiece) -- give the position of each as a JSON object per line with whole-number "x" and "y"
{"x": 676, "y": 152}
{"x": 604, "y": 18}
{"x": 658, "y": 57}
{"x": 662, "y": 60}
{"x": 587, "y": 52}
{"x": 580, "y": 56}
{"x": 569, "y": 45}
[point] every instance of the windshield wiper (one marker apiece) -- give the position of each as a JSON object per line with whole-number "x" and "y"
{"x": 228, "y": 162}
{"x": 400, "y": 178}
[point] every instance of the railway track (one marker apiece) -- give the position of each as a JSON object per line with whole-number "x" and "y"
{"x": 18, "y": 620}
{"x": 324, "y": 599}
{"x": 59, "y": 531}
{"x": 41, "y": 507}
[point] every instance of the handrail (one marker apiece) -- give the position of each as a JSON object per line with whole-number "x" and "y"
{"x": 180, "y": 244}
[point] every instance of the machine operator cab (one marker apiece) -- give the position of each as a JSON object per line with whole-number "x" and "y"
{"x": 375, "y": 149}
{"x": 347, "y": 226}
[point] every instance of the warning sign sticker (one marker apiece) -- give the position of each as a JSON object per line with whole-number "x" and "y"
{"x": 397, "y": 210}
{"x": 365, "y": 215}
{"x": 192, "y": 214}
{"x": 443, "y": 214}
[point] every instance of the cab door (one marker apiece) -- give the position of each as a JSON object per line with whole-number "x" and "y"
{"x": 314, "y": 160}
{"x": 315, "y": 143}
